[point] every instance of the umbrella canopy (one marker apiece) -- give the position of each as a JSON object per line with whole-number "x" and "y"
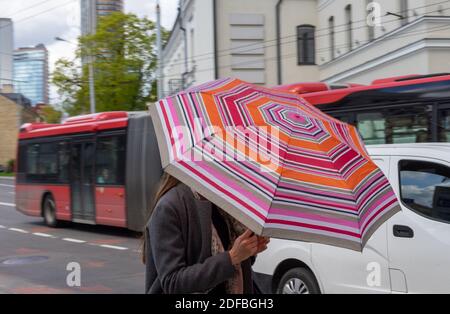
{"x": 274, "y": 162}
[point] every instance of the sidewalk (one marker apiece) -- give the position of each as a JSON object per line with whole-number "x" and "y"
{"x": 7, "y": 178}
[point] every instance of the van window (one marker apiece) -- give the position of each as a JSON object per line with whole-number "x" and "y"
{"x": 425, "y": 188}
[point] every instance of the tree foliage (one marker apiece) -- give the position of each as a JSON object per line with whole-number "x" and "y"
{"x": 123, "y": 54}
{"x": 51, "y": 115}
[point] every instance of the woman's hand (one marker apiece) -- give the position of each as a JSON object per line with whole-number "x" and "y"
{"x": 244, "y": 247}
{"x": 262, "y": 244}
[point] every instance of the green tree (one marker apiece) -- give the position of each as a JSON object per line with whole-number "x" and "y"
{"x": 123, "y": 52}
{"x": 51, "y": 115}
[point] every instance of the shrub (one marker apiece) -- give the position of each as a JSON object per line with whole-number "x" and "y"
{"x": 10, "y": 166}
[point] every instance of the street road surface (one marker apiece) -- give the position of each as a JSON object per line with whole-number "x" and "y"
{"x": 34, "y": 258}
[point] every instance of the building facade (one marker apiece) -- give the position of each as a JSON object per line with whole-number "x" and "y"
{"x": 15, "y": 110}
{"x": 274, "y": 42}
{"x": 413, "y": 37}
{"x": 91, "y": 10}
{"x": 6, "y": 54}
{"x": 31, "y": 73}
{"x": 237, "y": 38}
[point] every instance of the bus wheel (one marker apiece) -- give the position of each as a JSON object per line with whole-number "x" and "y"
{"x": 49, "y": 212}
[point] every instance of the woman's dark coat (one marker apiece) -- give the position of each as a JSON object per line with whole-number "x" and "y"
{"x": 178, "y": 251}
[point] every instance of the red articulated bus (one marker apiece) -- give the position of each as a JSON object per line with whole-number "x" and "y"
{"x": 95, "y": 169}
{"x": 403, "y": 109}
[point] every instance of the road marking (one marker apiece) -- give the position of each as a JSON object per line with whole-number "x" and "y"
{"x": 73, "y": 240}
{"x": 8, "y": 185}
{"x": 49, "y": 236}
{"x": 8, "y": 204}
{"x": 120, "y": 248}
{"x": 44, "y": 235}
{"x": 18, "y": 230}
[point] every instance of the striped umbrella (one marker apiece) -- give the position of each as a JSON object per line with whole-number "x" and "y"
{"x": 274, "y": 162}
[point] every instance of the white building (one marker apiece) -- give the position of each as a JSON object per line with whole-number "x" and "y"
{"x": 273, "y": 42}
{"x": 189, "y": 53}
{"x": 6, "y": 54}
{"x": 415, "y": 42}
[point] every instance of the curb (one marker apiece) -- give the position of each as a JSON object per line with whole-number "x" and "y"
{"x": 8, "y": 178}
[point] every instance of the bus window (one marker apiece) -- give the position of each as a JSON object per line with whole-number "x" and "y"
{"x": 410, "y": 124}
{"x": 110, "y": 160}
{"x": 45, "y": 162}
{"x": 64, "y": 159}
{"x": 42, "y": 162}
{"x": 344, "y": 117}
{"x": 444, "y": 126}
{"x": 48, "y": 160}
{"x": 395, "y": 125}
{"x": 22, "y": 163}
{"x": 32, "y": 159}
{"x": 372, "y": 127}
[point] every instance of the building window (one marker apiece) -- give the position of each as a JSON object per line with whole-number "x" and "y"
{"x": 370, "y": 28}
{"x": 404, "y": 11}
{"x": 306, "y": 45}
{"x": 332, "y": 39}
{"x": 348, "y": 23}
{"x": 425, "y": 188}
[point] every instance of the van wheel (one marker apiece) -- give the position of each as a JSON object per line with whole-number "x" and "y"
{"x": 298, "y": 281}
{"x": 49, "y": 212}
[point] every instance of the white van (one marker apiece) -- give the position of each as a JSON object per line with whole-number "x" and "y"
{"x": 410, "y": 253}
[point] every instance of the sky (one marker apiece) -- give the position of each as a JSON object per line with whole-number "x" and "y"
{"x": 40, "y": 21}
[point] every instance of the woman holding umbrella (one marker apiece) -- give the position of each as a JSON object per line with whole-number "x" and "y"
{"x": 191, "y": 246}
{"x": 269, "y": 159}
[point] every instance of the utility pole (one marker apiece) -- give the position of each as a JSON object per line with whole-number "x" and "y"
{"x": 92, "y": 84}
{"x": 159, "y": 47}
{"x": 186, "y": 62}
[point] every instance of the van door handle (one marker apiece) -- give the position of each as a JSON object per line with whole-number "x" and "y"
{"x": 403, "y": 232}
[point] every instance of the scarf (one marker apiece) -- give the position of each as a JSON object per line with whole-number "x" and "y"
{"x": 234, "y": 285}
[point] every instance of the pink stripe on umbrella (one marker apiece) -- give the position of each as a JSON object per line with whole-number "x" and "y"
{"x": 336, "y": 221}
{"x": 314, "y": 227}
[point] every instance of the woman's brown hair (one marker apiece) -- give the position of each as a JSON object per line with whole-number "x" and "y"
{"x": 166, "y": 183}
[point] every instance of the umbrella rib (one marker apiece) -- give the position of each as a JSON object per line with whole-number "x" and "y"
{"x": 282, "y": 162}
{"x": 191, "y": 133}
